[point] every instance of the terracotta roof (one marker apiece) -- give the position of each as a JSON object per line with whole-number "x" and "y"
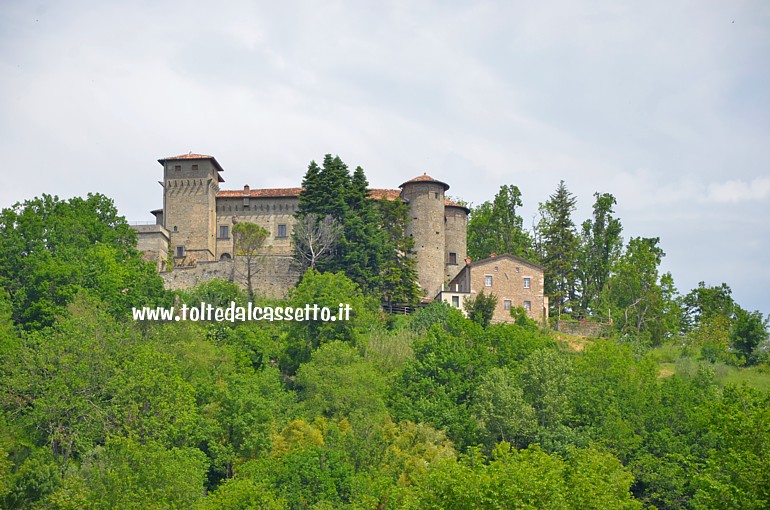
{"x": 449, "y": 203}
{"x": 522, "y": 260}
{"x": 425, "y": 178}
{"x": 260, "y": 193}
{"x": 377, "y": 193}
{"x": 191, "y": 155}
{"x": 387, "y": 194}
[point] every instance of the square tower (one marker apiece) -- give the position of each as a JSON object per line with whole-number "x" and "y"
{"x": 190, "y": 186}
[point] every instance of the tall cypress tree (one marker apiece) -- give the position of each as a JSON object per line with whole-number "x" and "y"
{"x": 559, "y": 244}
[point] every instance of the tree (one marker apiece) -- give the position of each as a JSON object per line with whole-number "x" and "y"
{"x": 601, "y": 245}
{"x": 641, "y": 301}
{"x": 249, "y": 239}
{"x": 399, "y": 270}
{"x": 496, "y": 227}
{"x": 50, "y": 249}
{"x": 314, "y": 239}
{"x": 503, "y": 412}
{"x": 559, "y": 248}
{"x": 748, "y": 331}
{"x": 481, "y": 308}
{"x": 704, "y": 303}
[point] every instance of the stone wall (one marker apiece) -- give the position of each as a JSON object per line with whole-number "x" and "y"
{"x": 152, "y": 241}
{"x": 581, "y": 328}
{"x": 274, "y": 278}
{"x": 456, "y": 224}
{"x": 426, "y": 226}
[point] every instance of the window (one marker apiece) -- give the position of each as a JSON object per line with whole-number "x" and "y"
{"x": 436, "y": 195}
{"x": 507, "y": 304}
{"x": 456, "y": 301}
{"x": 281, "y": 230}
{"x": 195, "y": 167}
{"x": 175, "y": 229}
{"x": 177, "y": 168}
{"x": 517, "y": 269}
{"x": 488, "y": 280}
{"x": 225, "y": 256}
{"x": 180, "y": 251}
{"x": 453, "y": 258}
{"x": 224, "y": 231}
{"x": 528, "y": 305}
{"x": 245, "y": 203}
{"x": 526, "y": 283}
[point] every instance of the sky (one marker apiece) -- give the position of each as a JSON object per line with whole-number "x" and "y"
{"x": 664, "y": 104}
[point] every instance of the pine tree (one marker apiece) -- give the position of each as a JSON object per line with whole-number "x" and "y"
{"x": 560, "y": 245}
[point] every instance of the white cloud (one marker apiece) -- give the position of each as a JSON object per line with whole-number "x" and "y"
{"x": 739, "y": 190}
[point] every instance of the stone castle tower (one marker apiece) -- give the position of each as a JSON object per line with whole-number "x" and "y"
{"x": 190, "y": 187}
{"x": 195, "y": 225}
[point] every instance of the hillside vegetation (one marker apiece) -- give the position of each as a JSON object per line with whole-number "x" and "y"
{"x": 426, "y": 411}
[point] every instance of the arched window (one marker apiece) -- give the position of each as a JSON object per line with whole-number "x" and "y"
{"x": 225, "y": 256}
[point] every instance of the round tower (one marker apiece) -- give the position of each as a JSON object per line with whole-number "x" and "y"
{"x": 455, "y": 233}
{"x": 425, "y": 196}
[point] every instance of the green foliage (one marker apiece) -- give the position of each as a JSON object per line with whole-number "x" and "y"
{"x": 330, "y": 290}
{"x": 503, "y": 412}
{"x": 373, "y": 249}
{"x": 131, "y": 475}
{"x": 643, "y": 303}
{"x": 337, "y": 382}
{"x": 601, "y": 245}
{"x": 558, "y": 244}
{"x": 248, "y": 239}
{"x": 747, "y": 332}
{"x": 51, "y": 249}
{"x": 481, "y": 308}
{"x": 495, "y": 227}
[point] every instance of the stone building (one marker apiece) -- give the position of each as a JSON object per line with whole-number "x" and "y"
{"x": 513, "y": 280}
{"x": 194, "y": 227}
{"x": 193, "y": 233}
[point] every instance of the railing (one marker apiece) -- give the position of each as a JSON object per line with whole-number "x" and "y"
{"x": 149, "y": 222}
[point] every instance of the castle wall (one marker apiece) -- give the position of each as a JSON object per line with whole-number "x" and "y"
{"x": 426, "y": 205}
{"x": 275, "y": 275}
{"x": 455, "y": 244}
{"x": 189, "y": 208}
{"x": 269, "y": 213}
{"x": 152, "y": 241}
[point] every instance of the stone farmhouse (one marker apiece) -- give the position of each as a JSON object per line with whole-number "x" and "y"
{"x": 192, "y": 233}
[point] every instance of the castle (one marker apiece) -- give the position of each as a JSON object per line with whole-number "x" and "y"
{"x": 194, "y": 229}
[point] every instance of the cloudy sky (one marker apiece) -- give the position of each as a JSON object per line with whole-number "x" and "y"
{"x": 665, "y": 104}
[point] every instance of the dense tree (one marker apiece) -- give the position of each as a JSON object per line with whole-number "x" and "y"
{"x": 640, "y": 301}
{"x": 704, "y": 303}
{"x": 249, "y": 239}
{"x": 558, "y": 248}
{"x": 481, "y": 308}
{"x": 601, "y": 245}
{"x": 371, "y": 246}
{"x": 496, "y": 227}
{"x": 53, "y": 248}
{"x": 747, "y": 332}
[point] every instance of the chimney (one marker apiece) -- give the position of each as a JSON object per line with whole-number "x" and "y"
{"x": 467, "y": 261}
{"x": 492, "y": 255}
{"x": 245, "y": 189}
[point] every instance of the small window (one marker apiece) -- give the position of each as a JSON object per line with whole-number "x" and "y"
{"x": 281, "y": 231}
{"x": 488, "y": 280}
{"x": 177, "y": 168}
{"x": 175, "y": 229}
{"x": 517, "y": 269}
{"x": 456, "y": 301}
{"x": 225, "y": 256}
{"x": 497, "y": 268}
{"x": 224, "y": 231}
{"x": 180, "y": 251}
{"x": 526, "y": 283}
{"x": 453, "y": 258}
{"x": 195, "y": 167}
{"x": 507, "y": 304}
{"x": 245, "y": 203}
{"x": 528, "y": 305}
